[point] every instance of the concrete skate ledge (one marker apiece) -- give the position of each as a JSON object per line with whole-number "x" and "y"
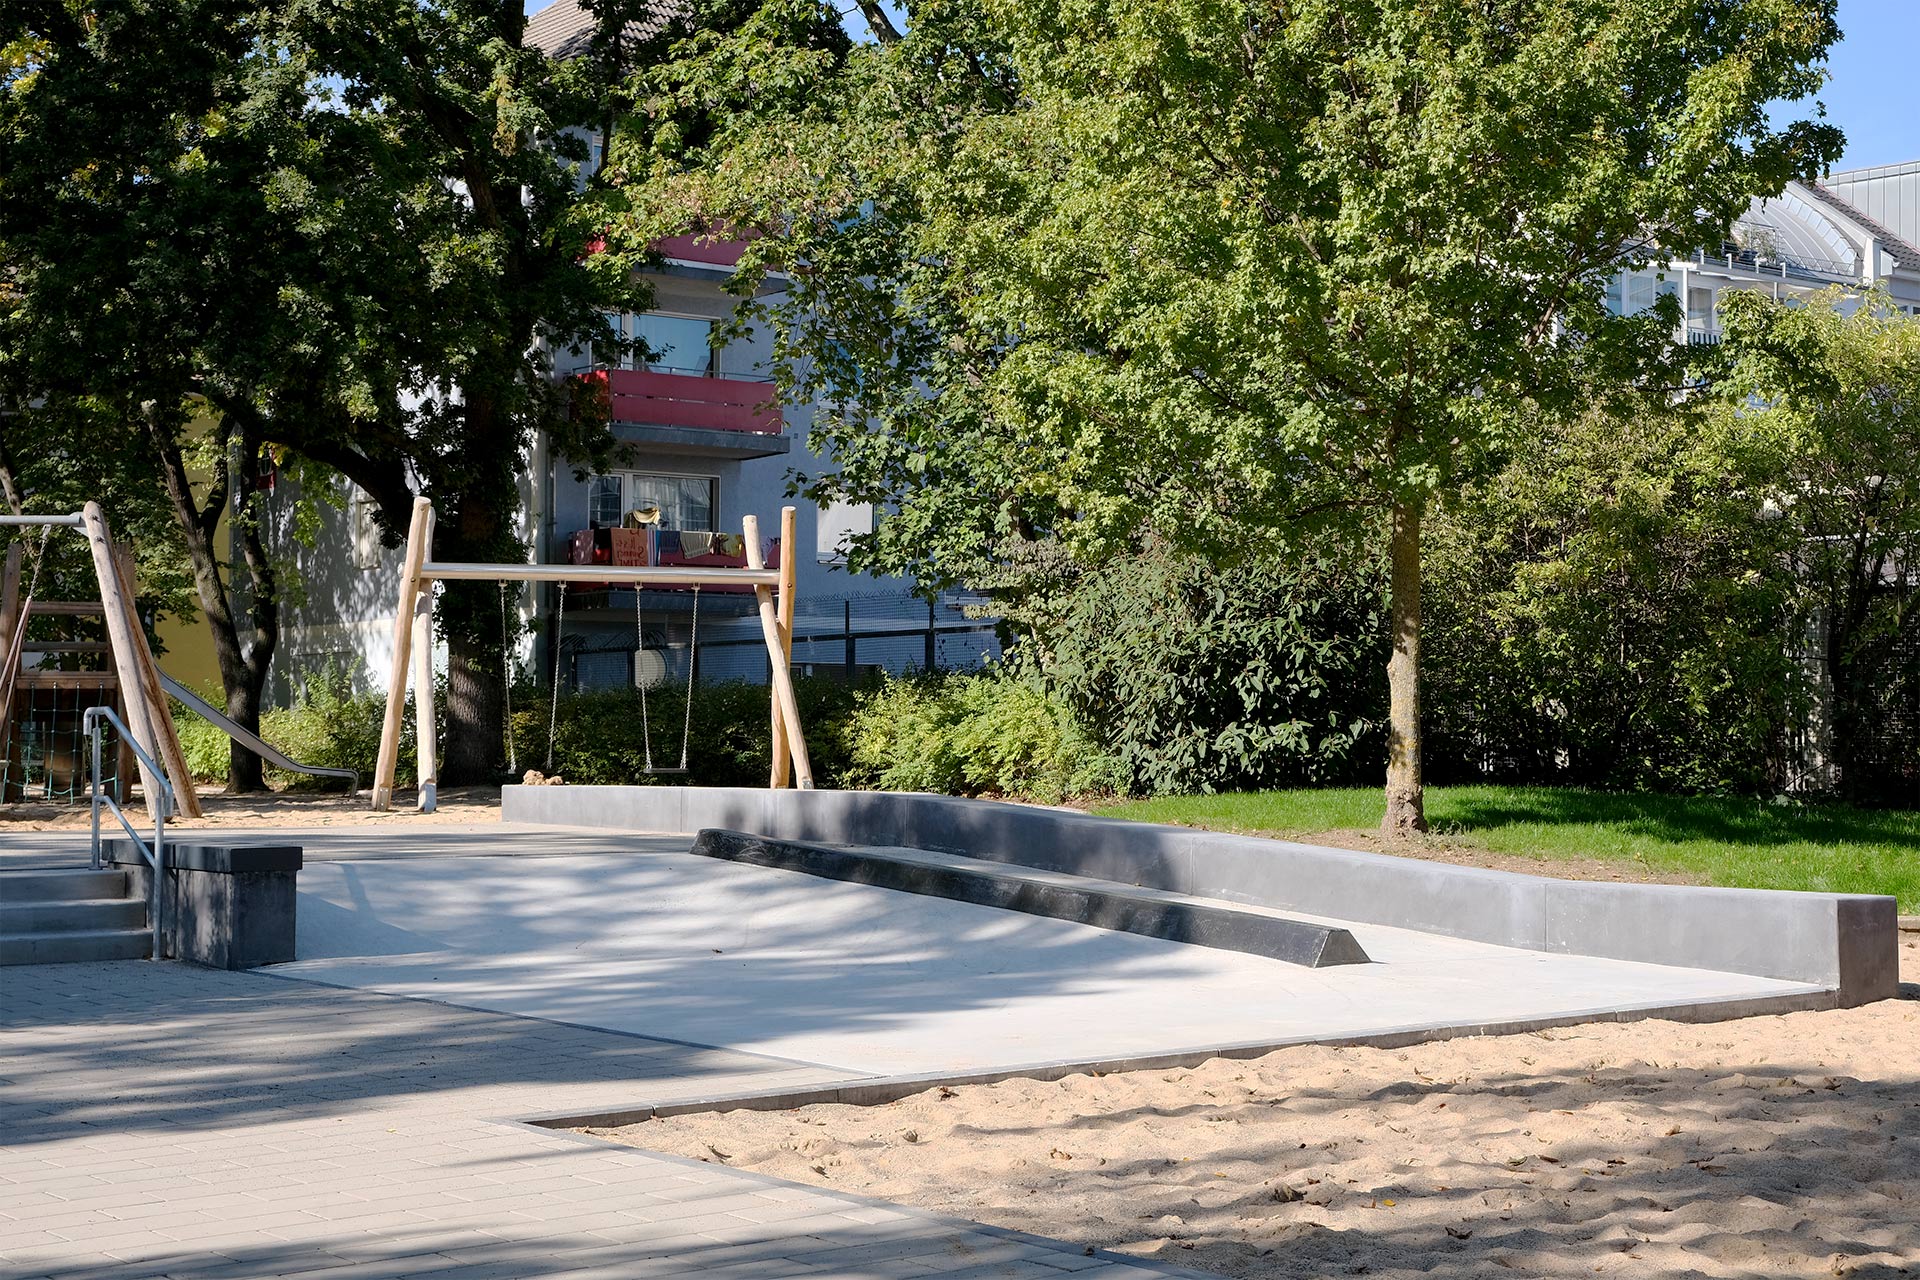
{"x": 1151, "y": 913}
{"x": 1844, "y": 942}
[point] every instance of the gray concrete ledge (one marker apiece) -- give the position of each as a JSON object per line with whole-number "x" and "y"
{"x": 1845, "y": 942}
{"x": 227, "y": 906}
{"x": 878, "y": 1090}
{"x": 215, "y": 859}
{"x": 1103, "y": 904}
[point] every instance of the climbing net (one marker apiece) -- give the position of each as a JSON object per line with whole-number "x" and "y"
{"x": 44, "y": 756}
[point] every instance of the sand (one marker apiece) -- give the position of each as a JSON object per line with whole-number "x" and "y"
{"x": 276, "y": 809}
{"x": 1774, "y": 1146}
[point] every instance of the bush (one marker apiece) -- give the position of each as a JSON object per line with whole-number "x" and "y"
{"x": 599, "y": 736}
{"x": 1610, "y": 610}
{"x": 989, "y": 734}
{"x": 1193, "y": 677}
{"x": 329, "y": 726}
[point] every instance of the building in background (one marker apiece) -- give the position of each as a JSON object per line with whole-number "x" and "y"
{"x": 704, "y": 443}
{"x": 1856, "y": 230}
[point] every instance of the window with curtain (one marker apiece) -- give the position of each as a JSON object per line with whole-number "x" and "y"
{"x": 685, "y": 502}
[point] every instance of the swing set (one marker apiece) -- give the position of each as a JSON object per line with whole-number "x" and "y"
{"x": 773, "y": 589}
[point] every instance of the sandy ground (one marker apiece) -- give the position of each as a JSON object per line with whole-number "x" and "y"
{"x": 1775, "y": 1146}
{"x": 278, "y": 809}
{"x": 1441, "y": 848}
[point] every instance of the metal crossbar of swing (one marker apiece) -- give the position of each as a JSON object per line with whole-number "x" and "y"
{"x": 156, "y": 853}
{"x": 665, "y": 576}
{"x": 34, "y": 522}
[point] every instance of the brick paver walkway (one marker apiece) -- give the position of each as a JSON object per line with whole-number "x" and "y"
{"x": 162, "y": 1120}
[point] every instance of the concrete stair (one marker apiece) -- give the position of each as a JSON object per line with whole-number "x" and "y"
{"x": 60, "y": 917}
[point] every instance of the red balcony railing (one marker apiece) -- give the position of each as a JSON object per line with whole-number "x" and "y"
{"x": 638, "y": 547}
{"x": 683, "y": 400}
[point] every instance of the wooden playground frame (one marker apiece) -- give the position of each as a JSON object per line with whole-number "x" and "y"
{"x": 413, "y": 639}
{"x": 135, "y": 676}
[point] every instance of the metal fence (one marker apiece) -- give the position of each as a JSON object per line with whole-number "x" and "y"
{"x": 845, "y": 637}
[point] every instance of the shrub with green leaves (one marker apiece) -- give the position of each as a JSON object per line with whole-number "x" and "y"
{"x": 1612, "y": 609}
{"x": 965, "y": 734}
{"x": 599, "y": 735}
{"x": 1195, "y": 677}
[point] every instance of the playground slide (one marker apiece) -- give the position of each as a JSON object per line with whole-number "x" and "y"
{"x": 259, "y": 746}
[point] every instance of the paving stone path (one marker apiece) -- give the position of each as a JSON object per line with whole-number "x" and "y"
{"x": 162, "y": 1120}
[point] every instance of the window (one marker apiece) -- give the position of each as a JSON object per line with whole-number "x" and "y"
{"x": 837, "y": 526}
{"x": 1700, "y": 307}
{"x": 678, "y": 344}
{"x": 366, "y": 534}
{"x": 605, "y": 507}
{"x": 685, "y": 502}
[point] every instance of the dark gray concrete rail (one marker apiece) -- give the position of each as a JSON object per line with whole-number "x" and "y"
{"x": 1101, "y": 903}
{"x": 1845, "y": 942}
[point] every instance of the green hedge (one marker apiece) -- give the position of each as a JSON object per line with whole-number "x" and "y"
{"x": 328, "y": 727}
{"x": 986, "y": 734}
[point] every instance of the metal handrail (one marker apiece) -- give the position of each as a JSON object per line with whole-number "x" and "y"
{"x": 156, "y": 855}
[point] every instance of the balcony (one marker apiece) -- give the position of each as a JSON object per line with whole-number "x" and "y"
{"x": 685, "y": 413}
{"x": 634, "y": 548}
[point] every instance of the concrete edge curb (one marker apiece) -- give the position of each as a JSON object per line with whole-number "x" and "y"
{"x": 854, "y": 1198}
{"x": 1100, "y": 904}
{"x": 878, "y": 1090}
{"x": 1846, "y": 942}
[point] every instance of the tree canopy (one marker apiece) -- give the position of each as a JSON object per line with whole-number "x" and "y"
{"x": 1221, "y": 271}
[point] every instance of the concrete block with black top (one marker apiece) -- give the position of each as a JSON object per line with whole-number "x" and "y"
{"x": 226, "y": 906}
{"x": 1846, "y": 943}
{"x": 1104, "y": 904}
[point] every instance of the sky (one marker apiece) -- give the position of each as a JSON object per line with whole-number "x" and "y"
{"x": 1871, "y": 92}
{"x": 1870, "y": 95}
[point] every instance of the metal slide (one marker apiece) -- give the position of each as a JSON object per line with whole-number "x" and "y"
{"x": 205, "y": 710}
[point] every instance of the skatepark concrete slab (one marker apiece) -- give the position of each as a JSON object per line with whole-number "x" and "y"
{"x": 636, "y": 936}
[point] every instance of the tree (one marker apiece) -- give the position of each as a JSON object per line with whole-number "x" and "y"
{"x": 355, "y": 231}
{"x": 1825, "y": 397}
{"x": 150, "y": 233}
{"x": 1225, "y": 271}
{"x": 1611, "y": 609}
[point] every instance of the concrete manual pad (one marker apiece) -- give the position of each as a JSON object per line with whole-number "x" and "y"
{"x": 677, "y": 947}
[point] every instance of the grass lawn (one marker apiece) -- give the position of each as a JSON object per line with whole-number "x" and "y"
{"x": 1739, "y": 843}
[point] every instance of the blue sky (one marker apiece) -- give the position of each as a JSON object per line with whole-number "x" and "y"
{"x": 1870, "y": 96}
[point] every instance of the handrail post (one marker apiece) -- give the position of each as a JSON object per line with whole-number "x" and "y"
{"x": 160, "y": 895}
{"x": 93, "y": 731}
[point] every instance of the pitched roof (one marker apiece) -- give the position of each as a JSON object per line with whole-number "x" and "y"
{"x": 1903, "y": 253}
{"x": 564, "y": 29}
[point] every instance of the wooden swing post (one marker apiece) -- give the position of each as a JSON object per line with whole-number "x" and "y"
{"x": 419, "y": 538}
{"x": 786, "y": 709}
{"x": 782, "y": 748}
{"x": 139, "y": 678}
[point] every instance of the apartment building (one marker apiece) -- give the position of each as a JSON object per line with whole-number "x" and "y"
{"x": 1855, "y": 229}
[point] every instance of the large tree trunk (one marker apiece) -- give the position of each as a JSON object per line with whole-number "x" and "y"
{"x": 245, "y": 687}
{"x": 1406, "y": 801}
{"x": 240, "y": 678}
{"x": 480, "y": 529}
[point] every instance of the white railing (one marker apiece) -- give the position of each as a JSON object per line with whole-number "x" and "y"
{"x": 155, "y": 854}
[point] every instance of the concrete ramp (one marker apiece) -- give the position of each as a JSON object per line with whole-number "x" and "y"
{"x": 1104, "y": 904}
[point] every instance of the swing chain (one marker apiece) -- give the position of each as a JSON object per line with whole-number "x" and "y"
{"x": 553, "y": 715}
{"x": 640, "y": 678}
{"x": 506, "y": 680}
{"x": 693, "y": 657}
